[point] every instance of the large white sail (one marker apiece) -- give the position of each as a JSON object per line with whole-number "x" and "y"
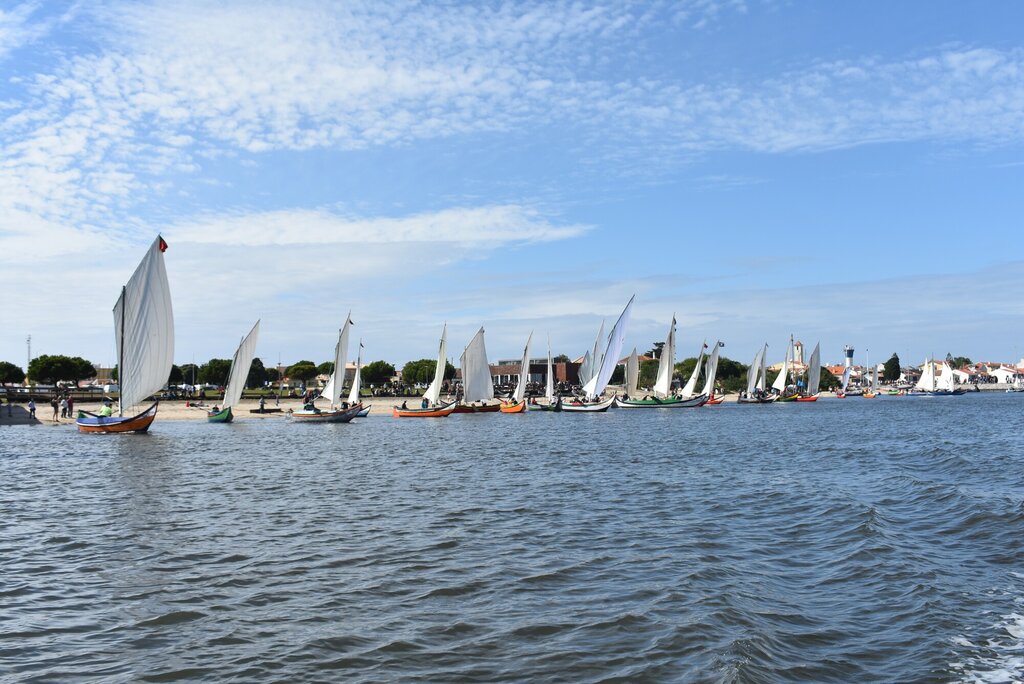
{"x": 763, "y": 373}
{"x": 476, "y": 374}
{"x": 357, "y": 379}
{"x": 144, "y": 329}
{"x": 596, "y": 356}
{"x": 691, "y": 384}
{"x": 524, "y": 372}
{"x": 632, "y": 373}
{"x": 846, "y": 379}
{"x": 753, "y": 372}
{"x": 927, "y": 380}
{"x": 549, "y": 386}
{"x": 947, "y": 379}
{"x": 336, "y": 384}
{"x": 616, "y": 338}
{"x": 814, "y": 371}
{"x": 667, "y": 363}
{"x": 874, "y": 379}
{"x": 240, "y": 365}
{"x": 711, "y": 370}
{"x": 783, "y": 377}
{"x": 433, "y": 393}
{"x": 586, "y": 371}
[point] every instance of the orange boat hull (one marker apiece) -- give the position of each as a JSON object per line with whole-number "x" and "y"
{"x": 514, "y": 408}
{"x": 139, "y": 423}
{"x": 814, "y": 398}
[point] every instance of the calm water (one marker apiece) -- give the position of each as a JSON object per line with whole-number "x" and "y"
{"x": 854, "y": 540}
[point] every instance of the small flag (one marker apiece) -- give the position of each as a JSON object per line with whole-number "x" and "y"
{"x": 705, "y": 346}
{"x": 163, "y": 244}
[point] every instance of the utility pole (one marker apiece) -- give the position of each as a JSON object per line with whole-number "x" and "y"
{"x": 28, "y": 360}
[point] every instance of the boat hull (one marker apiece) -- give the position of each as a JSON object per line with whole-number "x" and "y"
{"x": 811, "y": 398}
{"x": 224, "y": 416}
{"x": 342, "y": 416}
{"x": 469, "y": 408}
{"x": 519, "y": 407}
{"x": 435, "y": 412}
{"x": 755, "y": 400}
{"x": 714, "y": 401}
{"x": 364, "y": 412}
{"x": 90, "y": 422}
{"x": 597, "y": 407}
{"x": 693, "y": 402}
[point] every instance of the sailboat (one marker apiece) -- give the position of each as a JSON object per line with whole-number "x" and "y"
{"x": 592, "y": 391}
{"x": 357, "y": 384}
{"x": 591, "y": 360}
{"x": 332, "y": 392}
{"x": 553, "y": 403}
{"x": 518, "y": 403}
{"x": 781, "y": 386}
{"x": 844, "y": 383}
{"x": 813, "y": 375}
{"x": 240, "y": 365}
{"x": 431, "y": 407}
{"x": 710, "y": 371}
{"x": 756, "y": 392}
{"x": 872, "y": 391}
{"x": 477, "y": 384}
{"x": 663, "y": 385}
{"x": 144, "y": 329}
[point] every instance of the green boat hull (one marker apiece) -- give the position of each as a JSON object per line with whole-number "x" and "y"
{"x": 224, "y": 416}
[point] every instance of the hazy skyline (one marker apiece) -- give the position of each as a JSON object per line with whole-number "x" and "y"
{"x": 849, "y": 174}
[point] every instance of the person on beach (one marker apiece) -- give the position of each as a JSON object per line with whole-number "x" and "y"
{"x": 71, "y": 407}
{"x": 56, "y": 408}
{"x": 63, "y": 408}
{"x": 31, "y": 408}
{"x": 9, "y": 402}
{"x": 262, "y": 404}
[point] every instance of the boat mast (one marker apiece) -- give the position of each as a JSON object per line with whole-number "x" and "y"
{"x": 120, "y": 355}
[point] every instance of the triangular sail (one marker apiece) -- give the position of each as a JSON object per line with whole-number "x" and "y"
{"x": 874, "y": 379}
{"x": 144, "y": 329}
{"x": 763, "y": 375}
{"x": 524, "y": 372}
{"x": 549, "y": 386}
{"x": 476, "y": 374}
{"x": 667, "y": 363}
{"x": 586, "y": 371}
{"x": 691, "y": 384}
{"x": 782, "y": 379}
{"x": 616, "y": 338}
{"x": 596, "y": 358}
{"x": 927, "y": 380}
{"x": 357, "y": 379}
{"x": 947, "y": 379}
{"x": 711, "y": 370}
{"x": 332, "y": 392}
{"x": 754, "y": 371}
{"x": 846, "y": 379}
{"x": 433, "y": 393}
{"x": 240, "y": 365}
{"x": 814, "y": 371}
{"x": 632, "y": 373}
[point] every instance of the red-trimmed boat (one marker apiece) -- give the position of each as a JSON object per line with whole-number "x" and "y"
{"x": 429, "y": 412}
{"x": 91, "y": 422}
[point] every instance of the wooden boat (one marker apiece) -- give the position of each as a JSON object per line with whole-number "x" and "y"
{"x": 714, "y": 401}
{"x": 144, "y": 328}
{"x": 91, "y": 422}
{"x": 315, "y": 415}
{"x": 766, "y": 399}
{"x": 787, "y": 397}
{"x": 429, "y": 412}
{"x": 813, "y": 397}
{"x": 477, "y": 408}
{"x": 432, "y": 396}
{"x": 240, "y": 364}
{"x": 656, "y": 402}
{"x": 518, "y": 403}
{"x": 594, "y": 388}
{"x": 757, "y": 392}
{"x": 364, "y": 411}
{"x": 710, "y": 372}
{"x": 555, "y": 406}
{"x": 813, "y": 376}
{"x": 587, "y": 407}
{"x": 514, "y": 407}
{"x": 549, "y": 389}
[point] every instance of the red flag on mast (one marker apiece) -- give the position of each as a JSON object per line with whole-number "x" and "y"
{"x": 163, "y": 244}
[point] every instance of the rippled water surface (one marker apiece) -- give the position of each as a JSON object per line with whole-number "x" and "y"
{"x": 854, "y": 540}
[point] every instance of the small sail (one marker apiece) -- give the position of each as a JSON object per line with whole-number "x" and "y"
{"x": 240, "y": 365}
{"x": 596, "y": 357}
{"x": 763, "y": 375}
{"x": 711, "y": 370}
{"x": 874, "y": 379}
{"x": 782, "y": 379}
{"x": 433, "y": 393}
{"x": 927, "y": 380}
{"x": 524, "y": 372}
{"x": 753, "y": 371}
{"x": 947, "y": 379}
{"x": 691, "y": 384}
{"x": 846, "y": 379}
{"x": 476, "y": 374}
{"x": 144, "y": 329}
{"x": 667, "y": 363}
{"x": 632, "y": 374}
{"x": 586, "y": 371}
{"x": 357, "y": 379}
{"x": 616, "y": 338}
{"x": 549, "y": 387}
{"x": 814, "y": 371}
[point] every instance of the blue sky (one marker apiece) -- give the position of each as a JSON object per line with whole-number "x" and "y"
{"x": 849, "y": 173}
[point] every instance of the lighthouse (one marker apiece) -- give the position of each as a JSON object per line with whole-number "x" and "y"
{"x": 848, "y": 352}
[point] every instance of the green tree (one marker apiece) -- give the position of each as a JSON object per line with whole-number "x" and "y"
{"x": 50, "y": 369}
{"x": 302, "y": 371}
{"x": 561, "y": 358}
{"x": 258, "y": 374}
{"x": 422, "y": 371}
{"x": 827, "y": 382}
{"x": 9, "y": 373}
{"x": 325, "y": 368}
{"x": 215, "y": 372}
{"x": 175, "y": 377}
{"x": 958, "y": 361}
{"x": 648, "y": 373}
{"x": 273, "y": 375}
{"x": 892, "y": 369}
{"x": 655, "y": 352}
{"x": 190, "y": 373}
{"x": 731, "y": 375}
{"x": 377, "y": 372}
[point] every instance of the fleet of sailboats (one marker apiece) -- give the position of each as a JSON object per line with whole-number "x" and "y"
{"x": 144, "y": 331}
